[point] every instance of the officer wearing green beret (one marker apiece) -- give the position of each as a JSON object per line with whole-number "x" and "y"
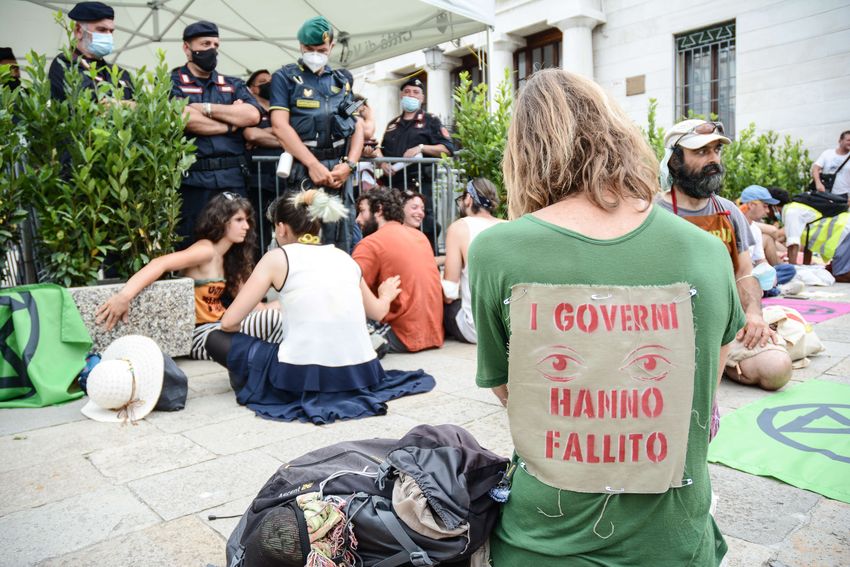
{"x": 312, "y": 116}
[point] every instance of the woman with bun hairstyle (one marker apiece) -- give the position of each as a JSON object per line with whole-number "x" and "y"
{"x": 219, "y": 261}
{"x": 325, "y": 368}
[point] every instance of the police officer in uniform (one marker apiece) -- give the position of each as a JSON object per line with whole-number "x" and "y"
{"x": 261, "y": 141}
{"x": 314, "y": 117}
{"x": 415, "y": 133}
{"x": 93, "y": 29}
{"x": 219, "y": 109}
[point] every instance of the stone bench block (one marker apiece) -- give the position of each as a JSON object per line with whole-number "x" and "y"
{"x": 164, "y": 311}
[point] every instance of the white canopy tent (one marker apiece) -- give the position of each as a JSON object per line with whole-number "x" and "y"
{"x": 254, "y": 33}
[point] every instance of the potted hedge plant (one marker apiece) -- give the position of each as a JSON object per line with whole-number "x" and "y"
{"x": 102, "y": 179}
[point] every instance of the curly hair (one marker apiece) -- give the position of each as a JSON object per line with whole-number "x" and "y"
{"x": 212, "y": 225}
{"x": 387, "y": 201}
{"x": 567, "y": 137}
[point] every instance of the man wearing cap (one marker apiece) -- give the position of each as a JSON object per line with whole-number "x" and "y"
{"x": 93, "y": 29}
{"x": 416, "y": 133}
{"x": 315, "y": 118}
{"x": 7, "y": 57}
{"x": 219, "y": 109}
{"x": 755, "y": 205}
{"x": 692, "y": 173}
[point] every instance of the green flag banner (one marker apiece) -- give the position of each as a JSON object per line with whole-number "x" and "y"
{"x": 43, "y": 346}
{"x": 800, "y": 436}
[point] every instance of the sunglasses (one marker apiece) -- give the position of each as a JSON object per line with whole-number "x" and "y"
{"x": 702, "y": 129}
{"x": 459, "y": 199}
{"x": 230, "y": 196}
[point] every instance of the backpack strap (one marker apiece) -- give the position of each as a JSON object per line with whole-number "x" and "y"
{"x": 412, "y": 553}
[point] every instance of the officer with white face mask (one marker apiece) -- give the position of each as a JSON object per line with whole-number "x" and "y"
{"x": 93, "y": 29}
{"x": 312, "y": 116}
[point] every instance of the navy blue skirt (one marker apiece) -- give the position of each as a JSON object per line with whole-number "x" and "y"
{"x": 314, "y": 393}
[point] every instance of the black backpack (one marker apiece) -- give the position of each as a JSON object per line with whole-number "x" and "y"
{"x": 827, "y": 204}
{"x": 454, "y": 473}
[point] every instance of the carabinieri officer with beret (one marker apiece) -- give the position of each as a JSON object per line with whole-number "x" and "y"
{"x": 93, "y": 29}
{"x": 219, "y": 108}
{"x": 312, "y": 116}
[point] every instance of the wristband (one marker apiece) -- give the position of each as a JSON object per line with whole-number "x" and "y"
{"x": 351, "y": 165}
{"x": 208, "y": 110}
{"x": 422, "y": 149}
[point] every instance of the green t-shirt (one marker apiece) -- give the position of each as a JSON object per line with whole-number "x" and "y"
{"x": 673, "y": 528}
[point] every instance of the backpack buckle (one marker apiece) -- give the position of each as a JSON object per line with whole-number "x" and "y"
{"x": 420, "y": 559}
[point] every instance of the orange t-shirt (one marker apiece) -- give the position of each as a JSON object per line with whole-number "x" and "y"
{"x": 208, "y": 306}
{"x": 416, "y": 315}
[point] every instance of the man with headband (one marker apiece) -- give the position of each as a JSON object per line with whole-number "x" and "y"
{"x": 314, "y": 116}
{"x": 692, "y": 174}
{"x": 476, "y": 206}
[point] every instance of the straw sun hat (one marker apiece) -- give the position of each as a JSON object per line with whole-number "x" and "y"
{"x": 126, "y": 384}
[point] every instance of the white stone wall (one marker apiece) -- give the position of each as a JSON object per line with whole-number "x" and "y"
{"x": 792, "y": 57}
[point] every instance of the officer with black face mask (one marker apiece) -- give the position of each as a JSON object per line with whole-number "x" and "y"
{"x": 261, "y": 141}
{"x": 219, "y": 109}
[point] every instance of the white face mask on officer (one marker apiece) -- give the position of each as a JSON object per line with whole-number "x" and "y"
{"x": 314, "y": 60}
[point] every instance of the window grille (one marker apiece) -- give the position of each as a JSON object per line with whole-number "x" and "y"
{"x": 705, "y": 74}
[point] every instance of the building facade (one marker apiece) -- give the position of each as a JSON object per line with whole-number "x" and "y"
{"x": 781, "y": 64}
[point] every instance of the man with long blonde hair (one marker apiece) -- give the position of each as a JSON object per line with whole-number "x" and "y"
{"x": 616, "y": 314}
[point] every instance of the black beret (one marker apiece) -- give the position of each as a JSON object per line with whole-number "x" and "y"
{"x": 91, "y": 12}
{"x": 6, "y": 53}
{"x": 200, "y": 29}
{"x": 413, "y": 82}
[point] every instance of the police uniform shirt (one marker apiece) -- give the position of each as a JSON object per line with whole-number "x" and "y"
{"x": 217, "y": 89}
{"x": 267, "y": 167}
{"x": 56, "y": 75}
{"x": 423, "y": 128}
{"x": 310, "y": 99}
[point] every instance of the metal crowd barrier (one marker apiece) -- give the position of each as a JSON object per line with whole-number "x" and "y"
{"x": 444, "y": 179}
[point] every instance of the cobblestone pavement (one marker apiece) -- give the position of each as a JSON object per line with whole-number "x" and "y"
{"x": 74, "y": 492}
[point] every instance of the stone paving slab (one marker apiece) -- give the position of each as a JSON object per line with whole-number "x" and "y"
{"x": 29, "y": 536}
{"x": 33, "y": 448}
{"x": 437, "y": 407}
{"x": 387, "y": 426}
{"x": 758, "y": 509}
{"x": 244, "y": 433}
{"x": 745, "y": 554}
{"x": 205, "y": 485}
{"x": 185, "y": 542}
{"x": 199, "y": 412}
{"x": 148, "y": 456}
{"x": 823, "y": 541}
{"x": 16, "y": 420}
{"x": 31, "y": 487}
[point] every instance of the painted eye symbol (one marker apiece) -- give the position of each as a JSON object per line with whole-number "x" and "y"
{"x": 561, "y": 366}
{"x": 648, "y": 363}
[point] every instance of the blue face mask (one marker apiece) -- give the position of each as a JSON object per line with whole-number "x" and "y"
{"x": 100, "y": 45}
{"x": 410, "y": 104}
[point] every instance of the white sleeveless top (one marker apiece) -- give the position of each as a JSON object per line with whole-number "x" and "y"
{"x": 475, "y": 226}
{"x": 324, "y": 321}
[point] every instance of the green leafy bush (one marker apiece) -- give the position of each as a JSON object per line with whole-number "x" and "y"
{"x": 102, "y": 175}
{"x": 12, "y": 211}
{"x": 482, "y": 133}
{"x": 751, "y": 159}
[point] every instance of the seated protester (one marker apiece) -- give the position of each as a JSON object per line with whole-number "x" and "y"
{"x": 795, "y": 217}
{"x": 414, "y": 209}
{"x": 828, "y": 239}
{"x": 755, "y": 204}
{"x": 476, "y": 206}
{"x": 325, "y": 368}
{"x": 389, "y": 248}
{"x": 692, "y": 173}
{"x": 220, "y": 260}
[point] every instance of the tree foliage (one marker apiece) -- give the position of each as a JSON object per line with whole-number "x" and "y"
{"x": 482, "y": 132}
{"x": 752, "y": 158}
